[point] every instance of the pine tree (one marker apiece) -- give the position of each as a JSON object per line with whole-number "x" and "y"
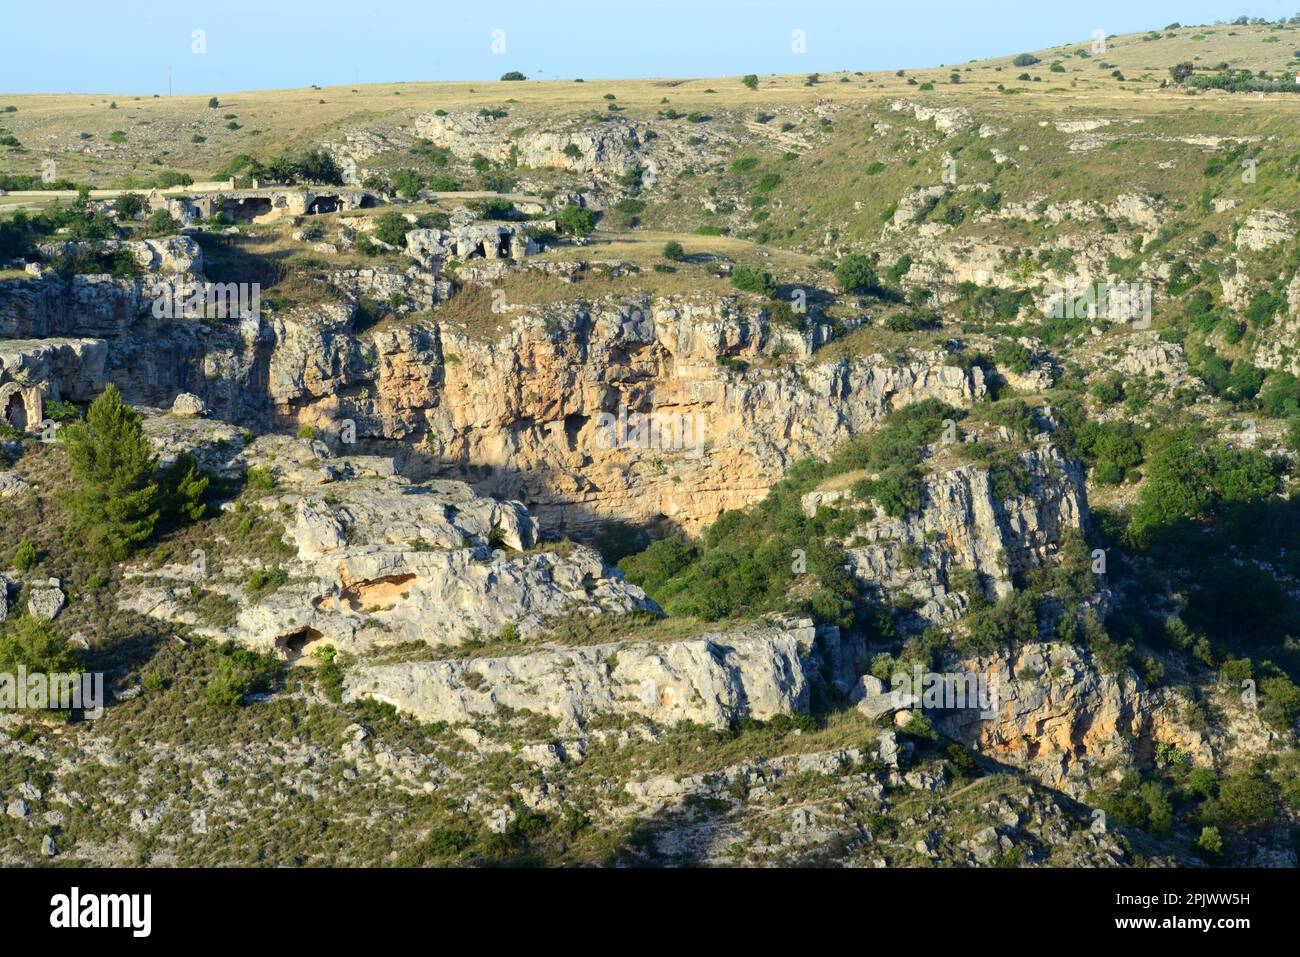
{"x": 182, "y": 488}
{"x": 115, "y": 503}
{"x": 32, "y": 643}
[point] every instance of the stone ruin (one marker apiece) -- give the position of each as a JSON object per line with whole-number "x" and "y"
{"x": 34, "y": 371}
{"x": 262, "y": 205}
{"x": 22, "y": 407}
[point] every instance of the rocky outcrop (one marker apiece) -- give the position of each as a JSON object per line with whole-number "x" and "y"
{"x": 1264, "y": 228}
{"x": 711, "y": 679}
{"x": 1058, "y": 715}
{"x": 605, "y": 151}
{"x": 381, "y": 560}
{"x": 963, "y": 523}
{"x": 551, "y": 406}
{"x": 947, "y": 119}
{"x": 541, "y": 405}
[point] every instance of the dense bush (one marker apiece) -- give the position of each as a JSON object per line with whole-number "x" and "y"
{"x": 391, "y": 228}
{"x": 1192, "y": 480}
{"x": 856, "y": 273}
{"x": 25, "y": 556}
{"x": 753, "y": 279}
{"x": 31, "y": 643}
{"x": 239, "y": 673}
{"x": 576, "y": 220}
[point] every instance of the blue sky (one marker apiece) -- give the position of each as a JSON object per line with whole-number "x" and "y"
{"x": 126, "y": 46}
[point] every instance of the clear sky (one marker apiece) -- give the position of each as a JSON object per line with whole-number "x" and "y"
{"x": 126, "y": 46}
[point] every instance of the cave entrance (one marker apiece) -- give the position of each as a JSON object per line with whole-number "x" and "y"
{"x": 503, "y": 246}
{"x": 15, "y": 412}
{"x": 296, "y": 644}
{"x": 325, "y": 204}
{"x": 574, "y": 423}
{"x": 246, "y": 210}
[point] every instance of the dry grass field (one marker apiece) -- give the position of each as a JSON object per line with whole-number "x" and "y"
{"x": 159, "y": 132}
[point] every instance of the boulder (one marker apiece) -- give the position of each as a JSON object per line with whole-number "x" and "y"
{"x": 45, "y": 599}
{"x": 189, "y": 404}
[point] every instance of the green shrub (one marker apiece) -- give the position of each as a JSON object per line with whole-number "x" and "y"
{"x": 1012, "y": 355}
{"x": 391, "y": 228}
{"x": 1246, "y": 801}
{"x": 753, "y": 279}
{"x": 576, "y": 220}
{"x": 129, "y": 205}
{"x": 239, "y": 673}
{"x": 1012, "y": 620}
{"x": 25, "y": 556}
{"x": 856, "y": 273}
{"x": 182, "y": 488}
{"x": 1192, "y": 480}
{"x": 1109, "y": 389}
{"x": 32, "y": 644}
{"x": 272, "y": 578}
{"x": 1210, "y": 842}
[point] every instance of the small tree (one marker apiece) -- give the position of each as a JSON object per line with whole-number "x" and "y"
{"x": 513, "y": 75}
{"x": 1025, "y": 59}
{"x": 856, "y": 274}
{"x": 161, "y": 223}
{"x": 576, "y": 220}
{"x": 750, "y": 80}
{"x": 673, "y": 251}
{"x": 25, "y": 556}
{"x": 408, "y": 183}
{"x": 129, "y": 205}
{"x": 213, "y": 103}
{"x": 1211, "y": 841}
{"x": 1181, "y": 71}
{"x": 114, "y": 503}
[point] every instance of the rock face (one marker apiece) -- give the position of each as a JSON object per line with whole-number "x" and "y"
{"x": 1059, "y": 715}
{"x": 1264, "y": 228}
{"x": 543, "y": 405}
{"x": 35, "y": 371}
{"x": 713, "y": 679}
{"x": 964, "y": 524}
{"x": 477, "y": 240}
{"x": 604, "y": 151}
{"x": 12, "y": 485}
